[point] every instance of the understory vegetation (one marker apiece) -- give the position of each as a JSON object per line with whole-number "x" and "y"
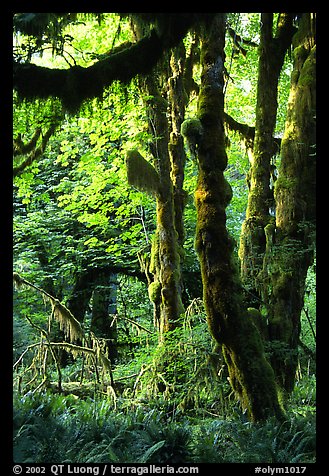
{"x": 164, "y": 238}
{"x": 53, "y": 428}
{"x": 190, "y": 415}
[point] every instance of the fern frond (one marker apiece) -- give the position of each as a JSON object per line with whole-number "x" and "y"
{"x": 150, "y": 452}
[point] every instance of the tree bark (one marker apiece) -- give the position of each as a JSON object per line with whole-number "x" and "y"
{"x": 81, "y": 293}
{"x": 250, "y": 374}
{"x": 293, "y": 237}
{"x": 103, "y": 307}
{"x": 272, "y": 52}
{"x": 165, "y": 260}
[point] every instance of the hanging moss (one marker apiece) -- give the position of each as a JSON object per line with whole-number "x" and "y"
{"x": 68, "y": 323}
{"x": 76, "y": 84}
{"x": 141, "y": 174}
{"x": 154, "y": 260}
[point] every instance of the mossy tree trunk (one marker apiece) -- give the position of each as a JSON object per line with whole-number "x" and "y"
{"x": 104, "y": 307}
{"x": 96, "y": 287}
{"x": 164, "y": 265}
{"x": 164, "y": 180}
{"x": 177, "y": 98}
{"x": 276, "y": 251}
{"x": 177, "y": 102}
{"x": 165, "y": 259}
{"x": 293, "y": 238}
{"x": 272, "y": 51}
{"x": 251, "y": 376}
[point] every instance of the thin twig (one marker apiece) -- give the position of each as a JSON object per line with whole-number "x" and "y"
{"x": 309, "y": 321}
{"x": 25, "y": 351}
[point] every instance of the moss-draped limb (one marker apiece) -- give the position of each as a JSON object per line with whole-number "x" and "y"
{"x": 251, "y": 375}
{"x": 33, "y": 152}
{"x": 77, "y": 84}
{"x": 21, "y": 148}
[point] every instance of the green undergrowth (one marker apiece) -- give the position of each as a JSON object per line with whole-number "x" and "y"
{"x": 66, "y": 429}
{"x": 170, "y": 404}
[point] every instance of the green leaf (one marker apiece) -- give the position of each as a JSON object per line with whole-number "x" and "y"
{"x": 150, "y": 452}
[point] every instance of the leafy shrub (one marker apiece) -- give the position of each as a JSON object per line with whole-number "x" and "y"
{"x": 303, "y": 399}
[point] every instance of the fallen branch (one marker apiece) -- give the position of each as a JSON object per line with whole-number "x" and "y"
{"x": 71, "y": 327}
{"x": 68, "y": 323}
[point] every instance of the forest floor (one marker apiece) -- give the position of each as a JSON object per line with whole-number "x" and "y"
{"x": 53, "y": 428}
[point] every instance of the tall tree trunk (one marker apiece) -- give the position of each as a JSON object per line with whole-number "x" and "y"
{"x": 176, "y": 102}
{"x": 81, "y": 293}
{"x": 293, "y": 239}
{"x": 251, "y": 376}
{"x": 165, "y": 261}
{"x": 176, "y": 106}
{"x": 165, "y": 291}
{"x": 272, "y": 52}
{"x": 104, "y": 299}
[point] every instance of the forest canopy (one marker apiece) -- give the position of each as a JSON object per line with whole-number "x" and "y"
{"x": 164, "y": 235}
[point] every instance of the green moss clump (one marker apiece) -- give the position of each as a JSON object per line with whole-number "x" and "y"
{"x": 307, "y": 76}
{"x": 259, "y": 321}
{"x": 141, "y": 174}
{"x": 192, "y": 128}
{"x": 192, "y": 131}
{"x": 154, "y": 260}
{"x": 154, "y": 291}
{"x": 285, "y": 182}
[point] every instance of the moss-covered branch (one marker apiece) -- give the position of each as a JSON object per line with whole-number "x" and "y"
{"x": 30, "y": 148}
{"x": 77, "y": 84}
{"x": 71, "y": 327}
{"x": 21, "y": 148}
{"x": 61, "y": 313}
{"x": 247, "y": 132}
{"x": 74, "y": 85}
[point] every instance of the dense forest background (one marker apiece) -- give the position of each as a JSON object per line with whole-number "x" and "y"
{"x": 164, "y": 237}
